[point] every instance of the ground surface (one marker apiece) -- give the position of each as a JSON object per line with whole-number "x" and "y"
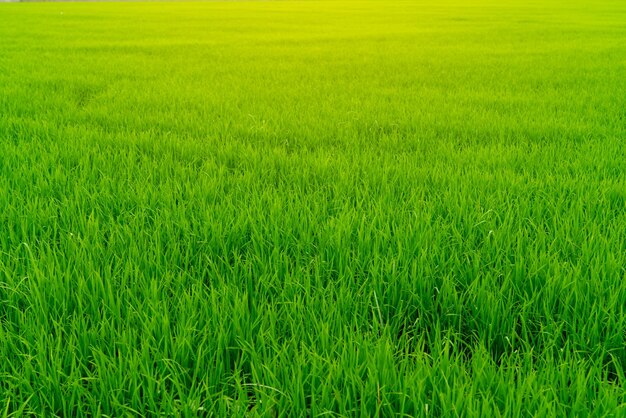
{"x": 346, "y": 208}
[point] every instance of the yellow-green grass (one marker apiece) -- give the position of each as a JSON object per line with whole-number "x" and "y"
{"x": 316, "y": 208}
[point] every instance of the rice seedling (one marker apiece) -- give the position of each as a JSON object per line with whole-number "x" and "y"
{"x": 313, "y": 208}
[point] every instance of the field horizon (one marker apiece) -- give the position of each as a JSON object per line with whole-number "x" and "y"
{"x": 313, "y": 208}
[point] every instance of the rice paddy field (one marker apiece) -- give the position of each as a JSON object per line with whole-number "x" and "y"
{"x": 313, "y": 209}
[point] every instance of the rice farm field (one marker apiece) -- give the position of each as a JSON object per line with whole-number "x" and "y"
{"x": 313, "y": 209}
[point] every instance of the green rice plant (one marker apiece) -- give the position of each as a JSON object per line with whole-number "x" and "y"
{"x": 313, "y": 208}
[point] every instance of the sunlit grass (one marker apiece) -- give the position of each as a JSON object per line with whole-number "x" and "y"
{"x": 339, "y": 208}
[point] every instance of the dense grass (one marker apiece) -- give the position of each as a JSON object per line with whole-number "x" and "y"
{"x": 341, "y": 208}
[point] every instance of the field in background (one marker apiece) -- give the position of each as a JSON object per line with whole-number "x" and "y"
{"x": 336, "y": 208}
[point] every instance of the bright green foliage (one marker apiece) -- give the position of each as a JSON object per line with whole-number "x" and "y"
{"x": 339, "y": 208}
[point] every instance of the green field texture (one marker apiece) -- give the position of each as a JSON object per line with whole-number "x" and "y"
{"x": 313, "y": 208}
